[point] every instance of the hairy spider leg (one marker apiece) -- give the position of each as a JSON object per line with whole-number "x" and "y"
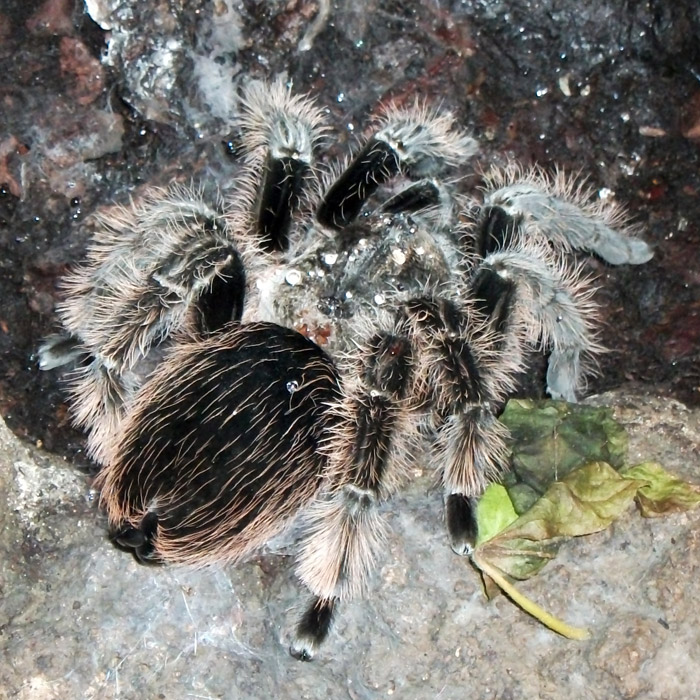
{"x": 162, "y": 265}
{"x": 566, "y": 212}
{"x": 435, "y": 355}
{"x": 280, "y": 133}
{"x": 374, "y": 165}
{"x": 58, "y": 350}
{"x": 414, "y": 142}
{"x": 280, "y": 195}
{"x": 313, "y": 627}
{"x": 416, "y": 197}
{"x": 201, "y": 267}
{"x": 553, "y": 300}
{"x": 495, "y": 230}
{"x": 367, "y": 463}
{"x": 466, "y": 375}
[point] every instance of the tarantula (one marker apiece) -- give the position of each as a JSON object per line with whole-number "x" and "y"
{"x": 289, "y": 352}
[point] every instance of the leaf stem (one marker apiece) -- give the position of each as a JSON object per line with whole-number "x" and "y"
{"x": 529, "y": 606}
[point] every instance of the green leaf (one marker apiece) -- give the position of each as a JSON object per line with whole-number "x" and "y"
{"x": 661, "y": 492}
{"x": 494, "y": 512}
{"x": 563, "y": 484}
{"x": 586, "y": 501}
{"x": 550, "y": 439}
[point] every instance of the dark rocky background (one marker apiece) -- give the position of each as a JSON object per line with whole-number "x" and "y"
{"x": 608, "y": 88}
{"x": 95, "y": 101}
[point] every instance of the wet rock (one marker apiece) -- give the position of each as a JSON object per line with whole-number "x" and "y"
{"x": 52, "y": 17}
{"x": 84, "y": 70}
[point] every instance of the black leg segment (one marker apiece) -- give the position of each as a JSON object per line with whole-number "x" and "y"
{"x": 460, "y": 514}
{"x": 418, "y": 196}
{"x": 493, "y": 296}
{"x": 223, "y": 300}
{"x": 280, "y": 194}
{"x": 374, "y": 165}
{"x": 313, "y": 628}
{"x": 496, "y": 230}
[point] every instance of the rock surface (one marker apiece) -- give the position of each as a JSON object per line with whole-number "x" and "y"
{"x": 102, "y": 97}
{"x": 81, "y": 620}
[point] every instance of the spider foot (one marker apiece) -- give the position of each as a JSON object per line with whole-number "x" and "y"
{"x": 460, "y": 513}
{"x": 313, "y": 628}
{"x": 58, "y": 350}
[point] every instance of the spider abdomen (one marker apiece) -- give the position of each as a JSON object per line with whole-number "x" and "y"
{"x": 221, "y": 446}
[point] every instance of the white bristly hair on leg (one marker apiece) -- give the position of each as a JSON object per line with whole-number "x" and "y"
{"x": 554, "y": 309}
{"x": 274, "y": 120}
{"x": 426, "y": 141}
{"x": 564, "y": 210}
{"x": 145, "y": 268}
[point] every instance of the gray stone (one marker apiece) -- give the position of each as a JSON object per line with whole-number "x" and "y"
{"x": 80, "y": 619}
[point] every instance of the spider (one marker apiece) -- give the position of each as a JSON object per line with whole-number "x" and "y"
{"x": 288, "y": 352}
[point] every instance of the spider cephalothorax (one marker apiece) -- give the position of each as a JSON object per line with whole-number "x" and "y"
{"x": 290, "y": 351}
